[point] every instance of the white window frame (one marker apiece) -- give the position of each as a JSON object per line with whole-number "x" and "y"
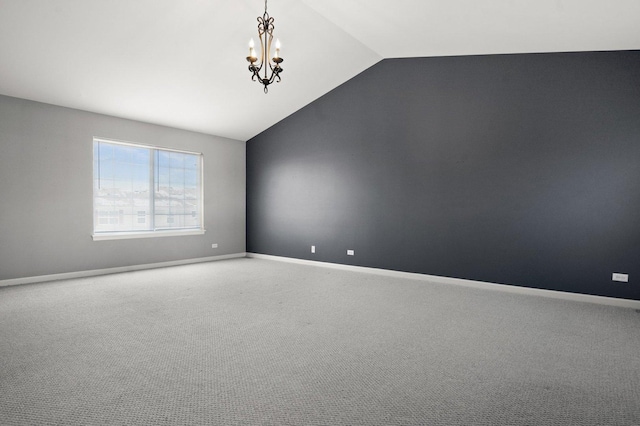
{"x": 120, "y": 235}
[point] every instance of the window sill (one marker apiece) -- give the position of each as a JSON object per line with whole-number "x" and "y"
{"x": 147, "y": 234}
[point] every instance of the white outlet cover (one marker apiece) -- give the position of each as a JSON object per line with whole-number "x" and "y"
{"x": 350, "y": 253}
{"x": 214, "y": 246}
{"x": 623, "y": 278}
{"x": 313, "y": 249}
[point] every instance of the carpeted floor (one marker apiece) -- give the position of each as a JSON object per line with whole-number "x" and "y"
{"x": 259, "y": 342}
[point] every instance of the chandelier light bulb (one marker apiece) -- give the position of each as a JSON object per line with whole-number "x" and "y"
{"x": 276, "y": 56}
{"x": 252, "y": 52}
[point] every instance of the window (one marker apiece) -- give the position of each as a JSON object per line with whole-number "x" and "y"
{"x": 142, "y": 191}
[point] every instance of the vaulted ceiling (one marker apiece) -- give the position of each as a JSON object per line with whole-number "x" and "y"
{"x": 182, "y": 63}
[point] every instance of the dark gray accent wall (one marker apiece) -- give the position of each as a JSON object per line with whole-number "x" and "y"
{"x": 514, "y": 169}
{"x": 46, "y": 192}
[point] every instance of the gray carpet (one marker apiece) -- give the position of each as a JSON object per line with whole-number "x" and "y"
{"x": 258, "y": 342}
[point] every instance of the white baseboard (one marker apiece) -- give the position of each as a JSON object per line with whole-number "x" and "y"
{"x": 602, "y": 300}
{"x": 95, "y": 272}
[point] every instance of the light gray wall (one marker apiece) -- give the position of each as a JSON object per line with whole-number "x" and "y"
{"x": 46, "y": 189}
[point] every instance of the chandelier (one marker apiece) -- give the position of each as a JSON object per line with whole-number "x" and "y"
{"x": 268, "y": 66}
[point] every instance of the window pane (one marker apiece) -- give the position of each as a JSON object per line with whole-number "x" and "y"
{"x": 177, "y": 190}
{"x": 121, "y": 187}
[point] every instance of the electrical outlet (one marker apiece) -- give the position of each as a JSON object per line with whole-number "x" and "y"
{"x": 350, "y": 252}
{"x": 623, "y": 278}
{"x": 214, "y": 246}
{"x": 313, "y": 249}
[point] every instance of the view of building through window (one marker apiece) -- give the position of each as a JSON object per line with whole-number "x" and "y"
{"x": 138, "y": 188}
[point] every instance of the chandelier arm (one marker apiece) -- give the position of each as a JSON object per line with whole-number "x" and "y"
{"x": 275, "y": 73}
{"x": 253, "y": 74}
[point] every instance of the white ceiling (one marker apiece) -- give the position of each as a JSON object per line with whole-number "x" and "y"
{"x": 182, "y": 63}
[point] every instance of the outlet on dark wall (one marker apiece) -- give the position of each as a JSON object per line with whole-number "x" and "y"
{"x": 514, "y": 169}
